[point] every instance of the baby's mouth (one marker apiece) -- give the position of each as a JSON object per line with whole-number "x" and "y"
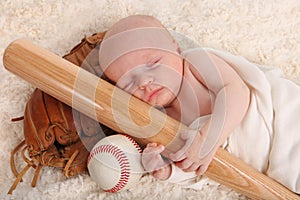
{"x": 153, "y": 94}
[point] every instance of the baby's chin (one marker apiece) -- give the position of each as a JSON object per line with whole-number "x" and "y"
{"x": 163, "y": 100}
{"x": 157, "y": 105}
{"x": 160, "y": 106}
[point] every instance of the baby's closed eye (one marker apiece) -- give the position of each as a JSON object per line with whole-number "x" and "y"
{"x": 154, "y": 62}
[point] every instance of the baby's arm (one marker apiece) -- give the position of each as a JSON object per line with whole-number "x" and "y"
{"x": 232, "y": 96}
{"x": 231, "y": 103}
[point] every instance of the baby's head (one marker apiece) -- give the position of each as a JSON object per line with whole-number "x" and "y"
{"x": 140, "y": 56}
{"x": 133, "y": 22}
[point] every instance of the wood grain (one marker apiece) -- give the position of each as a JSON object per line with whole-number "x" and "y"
{"x": 116, "y": 109}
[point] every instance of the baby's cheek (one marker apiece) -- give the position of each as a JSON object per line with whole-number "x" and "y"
{"x": 166, "y": 97}
{"x": 138, "y": 94}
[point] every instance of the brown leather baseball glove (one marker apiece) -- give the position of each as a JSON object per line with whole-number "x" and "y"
{"x": 55, "y": 134}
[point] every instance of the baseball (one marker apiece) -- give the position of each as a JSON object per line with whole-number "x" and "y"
{"x": 115, "y": 163}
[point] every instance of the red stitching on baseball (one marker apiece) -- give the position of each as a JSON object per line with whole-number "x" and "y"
{"x": 121, "y": 158}
{"x": 133, "y": 142}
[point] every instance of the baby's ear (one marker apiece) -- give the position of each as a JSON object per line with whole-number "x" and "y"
{"x": 178, "y": 47}
{"x": 179, "y": 50}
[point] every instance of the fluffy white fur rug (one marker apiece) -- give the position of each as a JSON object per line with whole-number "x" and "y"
{"x": 265, "y": 32}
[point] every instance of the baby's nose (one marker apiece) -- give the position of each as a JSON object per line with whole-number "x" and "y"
{"x": 145, "y": 81}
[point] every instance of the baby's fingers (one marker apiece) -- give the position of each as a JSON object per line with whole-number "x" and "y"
{"x": 151, "y": 158}
{"x": 202, "y": 169}
{"x": 153, "y": 148}
{"x": 153, "y": 164}
{"x": 179, "y": 155}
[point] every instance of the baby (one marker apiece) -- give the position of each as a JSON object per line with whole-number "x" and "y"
{"x": 201, "y": 88}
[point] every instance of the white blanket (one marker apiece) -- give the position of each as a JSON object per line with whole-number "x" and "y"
{"x": 269, "y": 135}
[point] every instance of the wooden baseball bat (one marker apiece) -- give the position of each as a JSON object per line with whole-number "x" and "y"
{"x": 122, "y": 112}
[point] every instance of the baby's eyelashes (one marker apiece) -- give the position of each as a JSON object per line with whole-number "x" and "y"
{"x": 154, "y": 61}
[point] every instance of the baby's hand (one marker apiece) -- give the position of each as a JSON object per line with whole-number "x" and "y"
{"x": 189, "y": 158}
{"x": 154, "y": 163}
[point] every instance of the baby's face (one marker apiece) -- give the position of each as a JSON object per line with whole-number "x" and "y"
{"x": 152, "y": 75}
